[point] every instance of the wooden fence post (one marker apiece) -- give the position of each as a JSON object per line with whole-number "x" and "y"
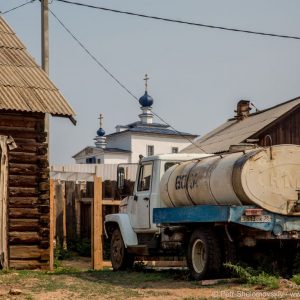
{"x": 96, "y": 228}
{"x": 78, "y": 208}
{"x": 60, "y": 204}
{"x": 52, "y": 224}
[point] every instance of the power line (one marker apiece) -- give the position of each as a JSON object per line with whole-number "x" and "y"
{"x": 181, "y": 22}
{"x": 115, "y": 78}
{"x": 14, "y": 8}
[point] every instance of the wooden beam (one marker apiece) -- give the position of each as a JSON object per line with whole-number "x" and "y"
{"x": 52, "y": 224}
{"x": 111, "y": 202}
{"x": 104, "y": 201}
{"x": 96, "y": 228}
{"x": 25, "y": 252}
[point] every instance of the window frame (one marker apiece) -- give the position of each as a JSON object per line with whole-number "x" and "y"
{"x": 141, "y": 174}
{"x": 173, "y": 148}
{"x": 147, "y": 149}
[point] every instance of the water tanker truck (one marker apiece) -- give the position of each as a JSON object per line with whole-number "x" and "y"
{"x": 205, "y": 207}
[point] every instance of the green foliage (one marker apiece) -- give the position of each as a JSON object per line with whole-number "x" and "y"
{"x": 254, "y": 277}
{"x": 60, "y": 252}
{"x": 139, "y": 266}
{"x": 4, "y": 271}
{"x": 296, "y": 264}
{"x": 296, "y": 279}
{"x": 83, "y": 247}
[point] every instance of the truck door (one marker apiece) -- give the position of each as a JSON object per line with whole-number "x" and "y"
{"x": 141, "y": 213}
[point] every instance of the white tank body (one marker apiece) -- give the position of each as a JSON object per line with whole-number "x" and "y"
{"x": 266, "y": 177}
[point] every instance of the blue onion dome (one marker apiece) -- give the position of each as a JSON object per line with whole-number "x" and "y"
{"x": 100, "y": 132}
{"x": 146, "y": 100}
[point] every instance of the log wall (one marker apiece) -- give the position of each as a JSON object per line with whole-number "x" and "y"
{"x": 286, "y": 130}
{"x": 28, "y": 191}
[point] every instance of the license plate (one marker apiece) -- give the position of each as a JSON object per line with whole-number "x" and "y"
{"x": 256, "y": 219}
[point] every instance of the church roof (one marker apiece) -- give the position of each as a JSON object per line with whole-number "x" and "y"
{"x": 139, "y": 123}
{"x": 160, "y": 129}
{"x": 101, "y": 150}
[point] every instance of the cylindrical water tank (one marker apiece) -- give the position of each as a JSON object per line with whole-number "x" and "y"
{"x": 266, "y": 177}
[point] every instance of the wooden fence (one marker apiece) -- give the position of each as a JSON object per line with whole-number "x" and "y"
{"x": 79, "y": 210}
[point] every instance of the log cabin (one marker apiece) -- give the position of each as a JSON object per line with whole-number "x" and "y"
{"x": 26, "y": 96}
{"x": 279, "y": 124}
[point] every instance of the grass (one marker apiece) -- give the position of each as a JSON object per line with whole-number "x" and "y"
{"x": 71, "y": 283}
{"x": 249, "y": 276}
{"x": 76, "y": 284}
{"x": 296, "y": 279}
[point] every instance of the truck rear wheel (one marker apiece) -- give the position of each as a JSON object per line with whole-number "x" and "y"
{"x": 203, "y": 254}
{"x": 120, "y": 258}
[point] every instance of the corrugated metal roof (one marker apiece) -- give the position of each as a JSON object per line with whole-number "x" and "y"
{"x": 101, "y": 150}
{"x": 158, "y": 131}
{"x": 24, "y": 86}
{"x": 234, "y": 132}
{"x": 86, "y": 172}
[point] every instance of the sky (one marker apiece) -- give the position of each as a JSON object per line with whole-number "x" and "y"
{"x": 197, "y": 75}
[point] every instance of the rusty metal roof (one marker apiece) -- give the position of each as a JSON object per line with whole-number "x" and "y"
{"x": 234, "y": 132}
{"x": 24, "y": 86}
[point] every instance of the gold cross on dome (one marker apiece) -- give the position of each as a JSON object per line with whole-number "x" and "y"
{"x": 101, "y": 119}
{"x": 146, "y": 81}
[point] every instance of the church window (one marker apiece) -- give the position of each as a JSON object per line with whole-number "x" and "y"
{"x": 91, "y": 160}
{"x": 150, "y": 150}
{"x": 174, "y": 149}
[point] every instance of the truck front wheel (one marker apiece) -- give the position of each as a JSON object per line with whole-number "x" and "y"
{"x": 120, "y": 258}
{"x": 203, "y": 254}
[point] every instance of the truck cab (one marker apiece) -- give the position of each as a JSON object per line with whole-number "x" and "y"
{"x": 133, "y": 229}
{"x": 140, "y": 205}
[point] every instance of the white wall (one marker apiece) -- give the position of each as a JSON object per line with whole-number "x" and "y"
{"x": 106, "y": 158}
{"x": 162, "y": 145}
{"x": 137, "y": 143}
{"x": 120, "y": 141}
{"x": 80, "y": 161}
{"x": 116, "y": 158}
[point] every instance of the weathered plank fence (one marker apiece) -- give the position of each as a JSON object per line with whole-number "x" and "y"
{"x": 77, "y": 215}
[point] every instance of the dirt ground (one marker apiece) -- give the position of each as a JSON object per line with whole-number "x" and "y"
{"x": 74, "y": 280}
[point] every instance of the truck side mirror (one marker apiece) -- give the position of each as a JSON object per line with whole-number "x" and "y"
{"x": 120, "y": 178}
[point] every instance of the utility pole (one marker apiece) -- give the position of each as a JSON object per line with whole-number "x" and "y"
{"x": 45, "y": 35}
{"x": 45, "y": 67}
{"x": 45, "y": 53}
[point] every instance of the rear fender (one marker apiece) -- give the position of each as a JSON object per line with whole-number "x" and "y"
{"x": 123, "y": 222}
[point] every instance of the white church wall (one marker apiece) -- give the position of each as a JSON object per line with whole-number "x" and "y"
{"x": 162, "y": 145}
{"x": 80, "y": 160}
{"x": 116, "y": 158}
{"x": 120, "y": 141}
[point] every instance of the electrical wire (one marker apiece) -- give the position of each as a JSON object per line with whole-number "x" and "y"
{"x": 181, "y": 22}
{"x": 14, "y": 8}
{"x": 115, "y": 78}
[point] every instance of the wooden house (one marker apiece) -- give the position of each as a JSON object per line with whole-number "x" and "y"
{"x": 26, "y": 95}
{"x": 279, "y": 124}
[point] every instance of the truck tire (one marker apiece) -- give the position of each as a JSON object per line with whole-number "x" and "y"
{"x": 203, "y": 254}
{"x": 120, "y": 258}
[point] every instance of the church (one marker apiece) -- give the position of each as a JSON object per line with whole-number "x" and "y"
{"x": 128, "y": 142}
